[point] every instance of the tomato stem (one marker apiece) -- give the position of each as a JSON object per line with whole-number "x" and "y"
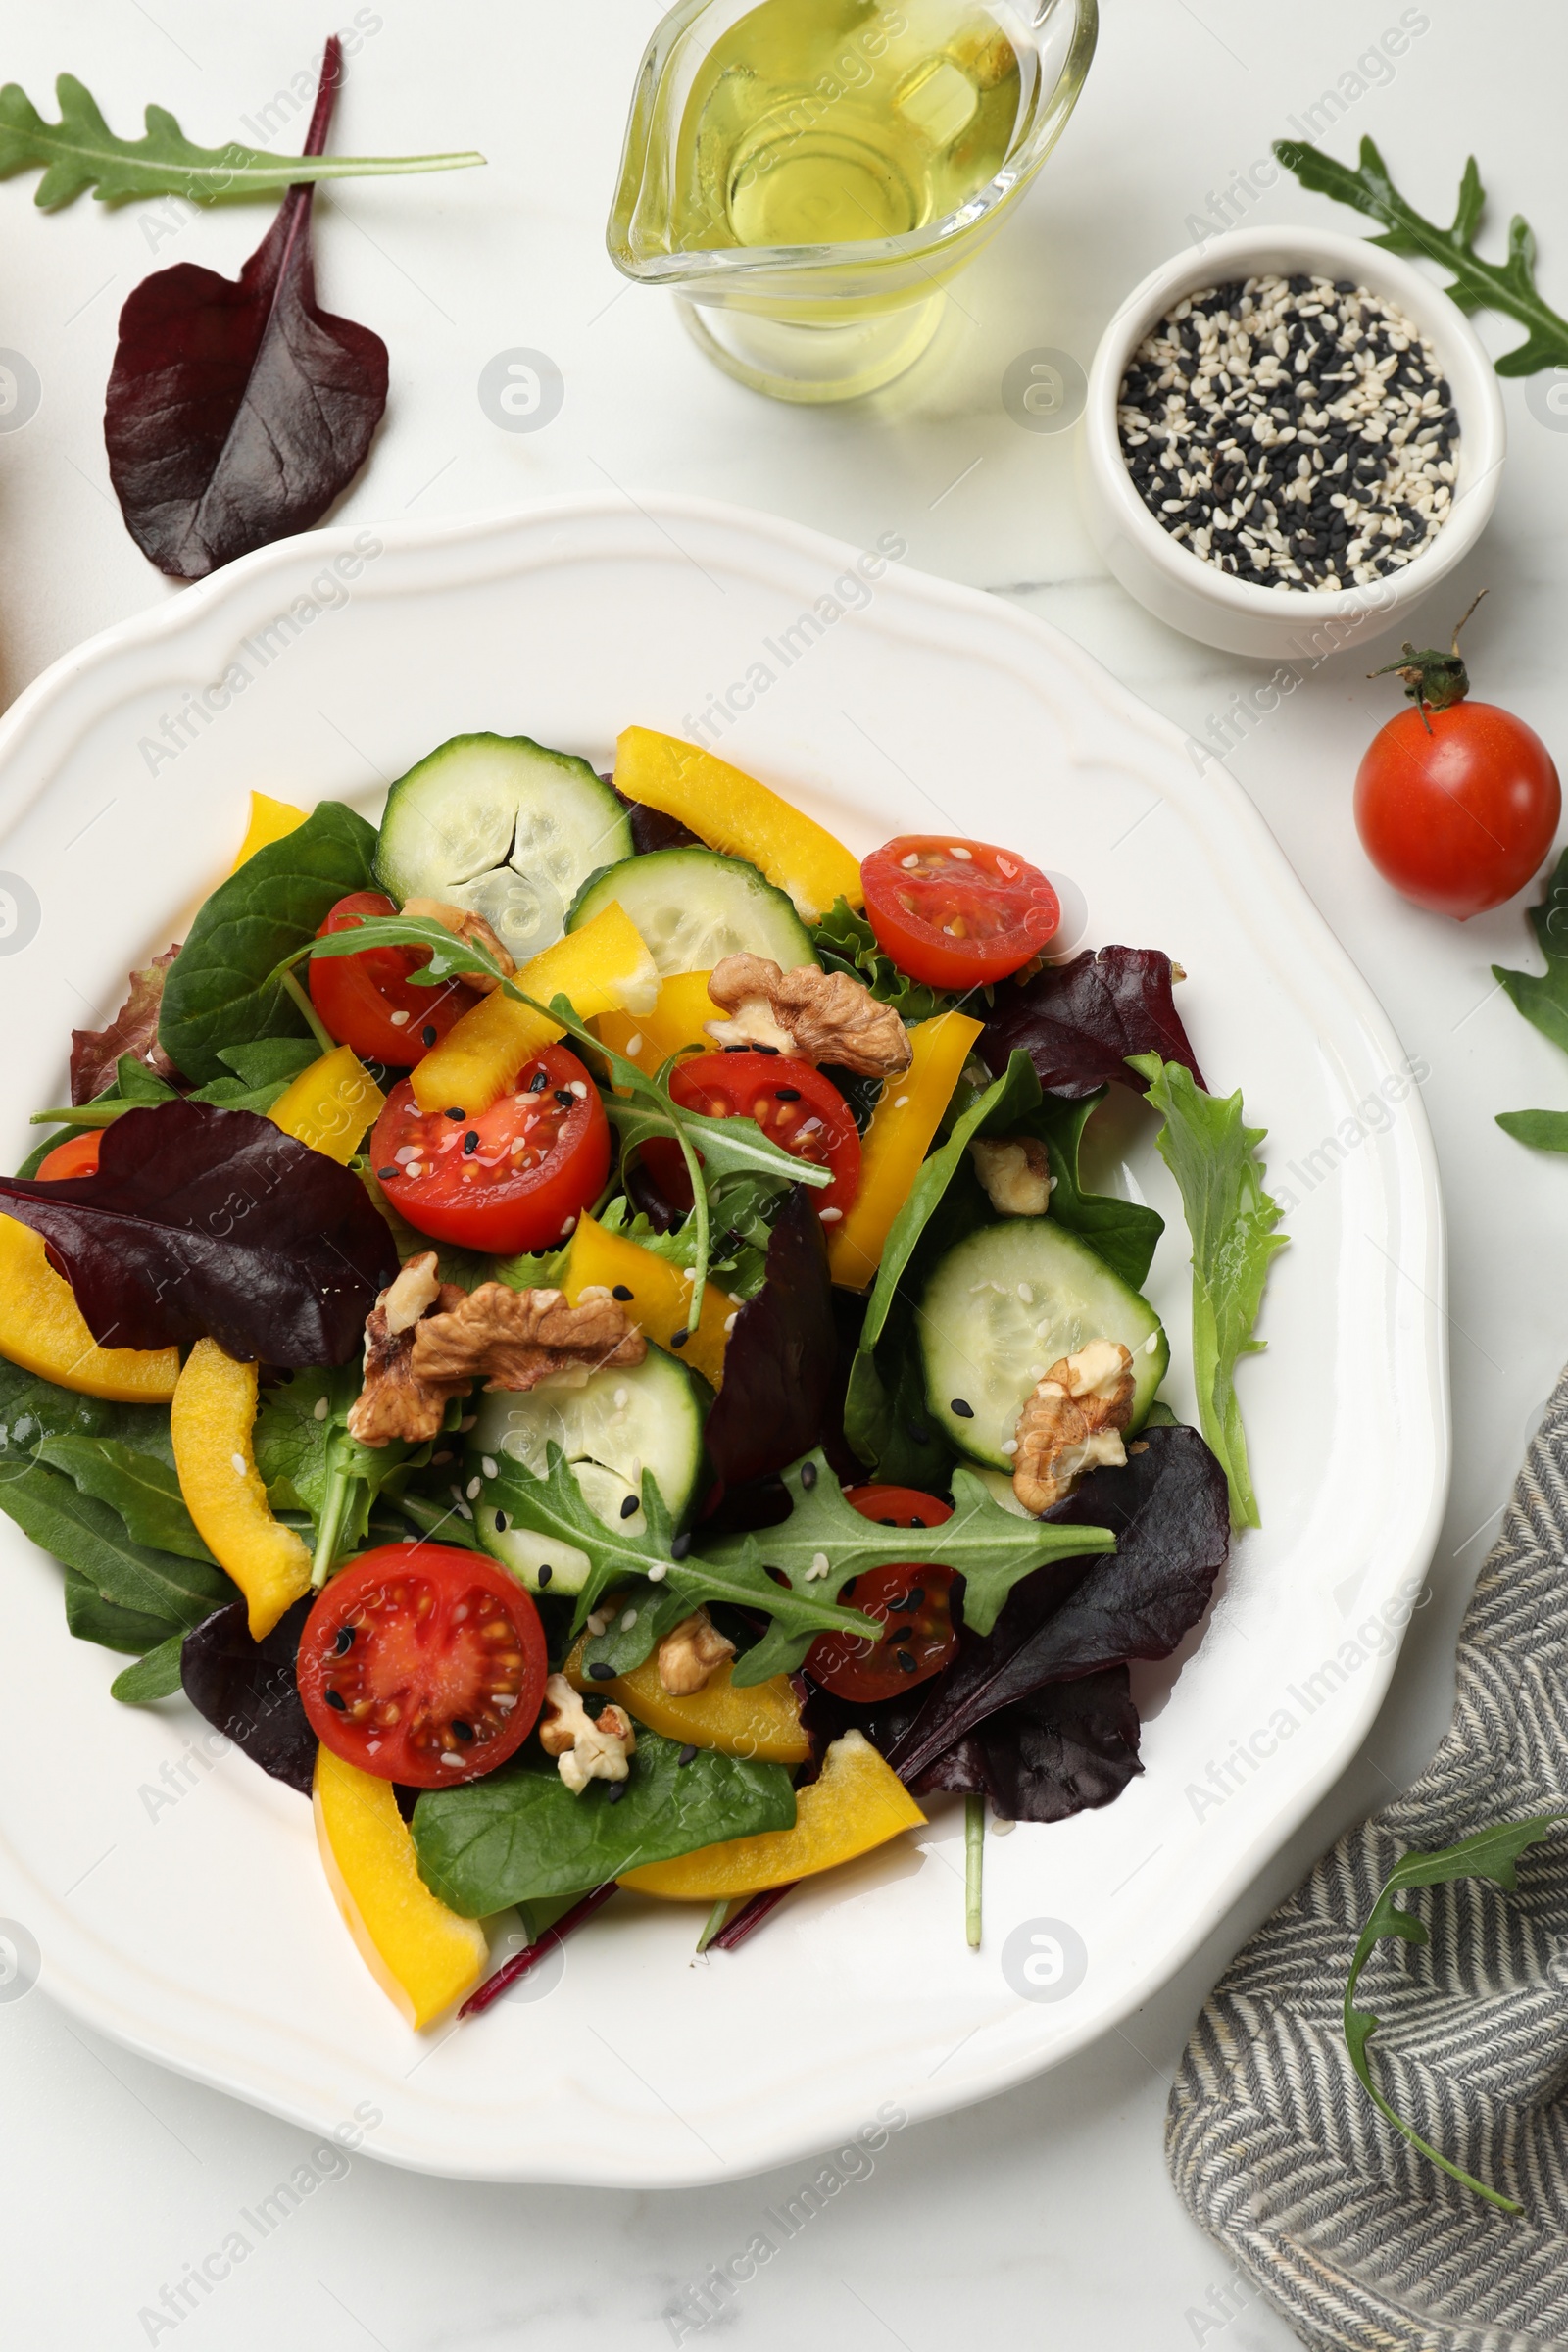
{"x": 974, "y": 1855}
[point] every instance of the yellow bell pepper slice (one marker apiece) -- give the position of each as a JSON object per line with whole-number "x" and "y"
{"x": 271, "y": 820}
{"x": 43, "y": 1330}
{"x": 423, "y": 1956}
{"x": 212, "y": 1418}
{"x": 649, "y": 1040}
{"x": 661, "y": 1294}
{"x": 762, "y": 1723}
{"x": 731, "y": 811}
{"x": 330, "y": 1105}
{"x": 602, "y": 968}
{"x": 858, "y": 1803}
{"x": 896, "y": 1143}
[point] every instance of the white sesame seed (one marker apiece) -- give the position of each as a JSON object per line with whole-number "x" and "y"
{"x": 622, "y": 1396}
{"x": 1010, "y": 1444}
{"x": 899, "y": 1101}
{"x": 321, "y": 1408}
{"x": 399, "y": 1020}
{"x": 634, "y": 1046}
{"x": 956, "y": 849}
{"x": 818, "y": 1567}
{"x": 830, "y": 1216}
{"x": 1026, "y": 1294}
{"x": 487, "y": 1463}
{"x": 657, "y": 1572}
{"x": 240, "y": 1464}
{"x": 473, "y": 1487}
{"x": 450, "y": 1755}
{"x": 914, "y": 858}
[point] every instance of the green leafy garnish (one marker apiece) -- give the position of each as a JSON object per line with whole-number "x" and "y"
{"x": 1231, "y": 1219}
{"x": 86, "y": 1535}
{"x": 1491, "y": 1853}
{"x": 845, "y": 942}
{"x": 80, "y": 151}
{"x": 153, "y": 1677}
{"x": 1123, "y": 1233}
{"x": 1508, "y": 287}
{"x": 141, "y": 1488}
{"x": 825, "y": 1542}
{"x": 520, "y": 1836}
{"x": 310, "y": 1462}
{"x": 1543, "y": 999}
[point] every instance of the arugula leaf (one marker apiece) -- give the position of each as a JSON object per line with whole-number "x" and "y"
{"x": 1231, "y": 1219}
{"x": 221, "y": 990}
{"x": 310, "y": 1462}
{"x": 1544, "y": 1130}
{"x": 141, "y": 1488}
{"x": 1121, "y": 1232}
{"x": 84, "y": 1533}
{"x": 32, "y": 1408}
{"x": 154, "y": 1677}
{"x": 554, "y": 1507}
{"x": 845, "y": 942}
{"x": 825, "y": 1542}
{"x": 520, "y": 1836}
{"x": 1508, "y": 287}
{"x": 80, "y": 151}
{"x": 1543, "y": 999}
{"x": 1491, "y": 1853}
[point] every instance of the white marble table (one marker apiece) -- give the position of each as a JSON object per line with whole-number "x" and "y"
{"x": 1044, "y": 2217}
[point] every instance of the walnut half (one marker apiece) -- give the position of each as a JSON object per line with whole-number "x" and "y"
{"x": 584, "y": 1750}
{"x": 690, "y": 1653}
{"x": 816, "y": 1016}
{"x": 1073, "y": 1423}
{"x": 394, "y": 1401}
{"x": 464, "y": 923}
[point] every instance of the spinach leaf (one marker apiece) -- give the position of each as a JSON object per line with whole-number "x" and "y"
{"x": 1542, "y": 1130}
{"x": 221, "y": 991}
{"x": 825, "y": 1542}
{"x": 84, "y": 1533}
{"x": 32, "y": 1408}
{"x": 1231, "y": 1219}
{"x": 520, "y": 1834}
{"x": 1491, "y": 1853}
{"x": 886, "y": 1420}
{"x": 91, "y": 1618}
{"x": 310, "y": 1462}
{"x": 845, "y": 942}
{"x": 141, "y": 1488}
{"x": 1121, "y": 1232}
{"x": 154, "y": 1677}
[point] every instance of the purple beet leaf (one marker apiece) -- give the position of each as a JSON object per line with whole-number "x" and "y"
{"x": 1169, "y": 1510}
{"x": 203, "y": 1223}
{"x": 781, "y": 1361}
{"x": 1066, "y": 1749}
{"x": 248, "y": 1691}
{"x": 1079, "y": 1021}
{"x": 238, "y": 411}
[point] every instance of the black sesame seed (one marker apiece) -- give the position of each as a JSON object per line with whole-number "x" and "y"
{"x": 462, "y": 1730}
{"x": 538, "y": 1082}
{"x": 899, "y": 1633}
{"x": 385, "y": 1175}
{"x": 914, "y": 1599}
{"x": 808, "y": 1476}
{"x": 500, "y": 1523}
{"x": 617, "y": 1790}
{"x": 786, "y": 1094}
{"x": 965, "y": 1412}
{"x": 629, "y": 1507}
{"x": 457, "y": 1115}
{"x": 546, "y": 1573}
{"x": 887, "y": 1523}
{"x": 599, "y": 1672}
{"x": 470, "y": 1142}
{"x": 345, "y": 1640}
{"x": 772, "y": 1049}
{"x": 905, "y": 1659}
{"x": 680, "y": 1547}
{"x": 678, "y": 1339}
{"x": 337, "y": 1699}
{"x": 621, "y": 1293}
{"x": 687, "y": 1755}
{"x": 430, "y": 1033}
{"x": 920, "y": 1522}
{"x": 565, "y": 1097}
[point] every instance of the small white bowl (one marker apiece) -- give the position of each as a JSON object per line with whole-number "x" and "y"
{"x": 1198, "y": 598}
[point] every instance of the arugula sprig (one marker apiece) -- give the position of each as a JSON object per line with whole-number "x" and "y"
{"x": 556, "y": 1508}
{"x": 1491, "y": 1853}
{"x": 641, "y": 1106}
{"x": 80, "y": 151}
{"x": 825, "y": 1542}
{"x": 310, "y": 1460}
{"x": 1478, "y": 284}
{"x": 1543, "y": 999}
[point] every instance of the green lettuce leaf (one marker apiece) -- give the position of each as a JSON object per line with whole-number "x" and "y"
{"x": 1231, "y": 1219}
{"x": 845, "y": 942}
{"x": 519, "y": 1835}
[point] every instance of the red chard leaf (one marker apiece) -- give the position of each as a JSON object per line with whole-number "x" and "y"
{"x": 780, "y": 1365}
{"x": 237, "y": 412}
{"x": 1079, "y": 1021}
{"x": 133, "y": 1030}
{"x": 248, "y": 1689}
{"x": 1066, "y": 1749}
{"x": 213, "y": 1224}
{"x": 1170, "y": 1509}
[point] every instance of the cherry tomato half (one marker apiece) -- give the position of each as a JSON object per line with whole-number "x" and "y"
{"x": 911, "y": 1603}
{"x": 956, "y": 913}
{"x": 423, "y": 1664}
{"x": 515, "y": 1177}
{"x": 368, "y": 1001}
{"x": 77, "y": 1156}
{"x": 793, "y": 1104}
{"x": 1458, "y": 818}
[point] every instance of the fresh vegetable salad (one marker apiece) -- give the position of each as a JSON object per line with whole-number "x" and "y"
{"x": 572, "y": 1329}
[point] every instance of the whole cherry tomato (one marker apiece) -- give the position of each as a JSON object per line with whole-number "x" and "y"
{"x": 1456, "y": 802}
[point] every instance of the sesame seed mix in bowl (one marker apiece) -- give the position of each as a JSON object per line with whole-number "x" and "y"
{"x": 1295, "y": 432}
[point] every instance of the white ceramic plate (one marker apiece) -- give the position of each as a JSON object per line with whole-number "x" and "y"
{"x": 178, "y": 1901}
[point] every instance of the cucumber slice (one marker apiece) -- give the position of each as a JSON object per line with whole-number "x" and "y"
{"x": 694, "y": 908}
{"x": 1006, "y": 1305}
{"x": 615, "y": 1427}
{"x": 501, "y": 825}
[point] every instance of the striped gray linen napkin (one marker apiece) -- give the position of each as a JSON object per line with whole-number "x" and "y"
{"x": 1271, "y": 2141}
